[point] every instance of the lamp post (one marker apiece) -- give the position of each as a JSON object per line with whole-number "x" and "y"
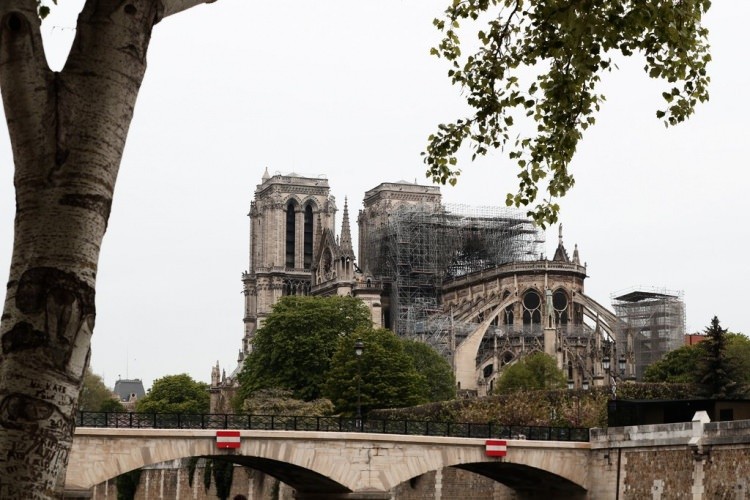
{"x": 614, "y": 375}
{"x": 359, "y": 348}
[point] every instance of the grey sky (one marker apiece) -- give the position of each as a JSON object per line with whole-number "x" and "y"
{"x": 348, "y": 90}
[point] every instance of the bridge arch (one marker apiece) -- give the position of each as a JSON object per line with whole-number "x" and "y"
{"x": 328, "y": 463}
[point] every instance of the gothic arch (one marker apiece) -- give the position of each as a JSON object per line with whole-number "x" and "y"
{"x": 531, "y": 307}
{"x": 312, "y": 202}
{"x": 292, "y": 198}
{"x": 561, "y": 302}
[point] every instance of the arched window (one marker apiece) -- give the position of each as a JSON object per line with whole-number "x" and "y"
{"x": 308, "y": 245}
{"x": 290, "y": 234}
{"x": 508, "y": 316}
{"x": 532, "y": 303}
{"x": 560, "y": 301}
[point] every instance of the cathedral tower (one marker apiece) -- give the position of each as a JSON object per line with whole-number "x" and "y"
{"x": 288, "y": 216}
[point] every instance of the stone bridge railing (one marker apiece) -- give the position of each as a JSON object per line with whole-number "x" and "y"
{"x": 327, "y": 424}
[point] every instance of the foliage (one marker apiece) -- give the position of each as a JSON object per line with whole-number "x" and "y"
{"x": 176, "y": 394}
{"x": 95, "y": 396}
{"x": 127, "y": 484}
{"x": 534, "y": 372}
{"x": 437, "y": 372}
{"x": 532, "y": 83}
{"x": 111, "y": 405}
{"x": 689, "y": 364}
{"x": 223, "y": 471}
{"x": 718, "y": 373}
{"x": 280, "y": 402}
{"x": 384, "y": 373}
{"x": 559, "y": 407}
{"x": 293, "y": 348}
{"x": 676, "y": 366}
{"x": 738, "y": 349}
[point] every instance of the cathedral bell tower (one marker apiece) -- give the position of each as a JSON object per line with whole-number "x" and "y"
{"x": 288, "y": 215}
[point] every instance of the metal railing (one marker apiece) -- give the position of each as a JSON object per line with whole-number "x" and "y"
{"x": 121, "y": 420}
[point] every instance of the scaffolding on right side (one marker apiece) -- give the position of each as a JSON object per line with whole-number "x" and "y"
{"x": 655, "y": 321}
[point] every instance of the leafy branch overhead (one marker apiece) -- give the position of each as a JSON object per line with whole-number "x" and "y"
{"x": 532, "y": 83}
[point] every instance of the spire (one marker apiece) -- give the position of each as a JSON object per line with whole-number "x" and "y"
{"x": 561, "y": 255}
{"x": 576, "y": 257}
{"x": 265, "y": 175}
{"x": 346, "y": 233}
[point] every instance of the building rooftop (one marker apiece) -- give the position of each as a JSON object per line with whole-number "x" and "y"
{"x": 127, "y": 389}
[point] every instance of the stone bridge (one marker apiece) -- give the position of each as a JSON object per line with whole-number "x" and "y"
{"x": 335, "y": 465}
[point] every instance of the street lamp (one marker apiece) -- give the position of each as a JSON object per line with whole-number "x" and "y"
{"x": 359, "y": 348}
{"x": 621, "y": 364}
{"x": 614, "y": 375}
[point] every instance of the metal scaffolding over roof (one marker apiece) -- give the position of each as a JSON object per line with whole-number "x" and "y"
{"x": 421, "y": 245}
{"x": 654, "y": 319}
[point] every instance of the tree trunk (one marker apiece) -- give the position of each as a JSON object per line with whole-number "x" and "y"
{"x": 67, "y": 132}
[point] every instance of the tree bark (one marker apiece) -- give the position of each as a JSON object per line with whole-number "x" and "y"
{"x": 67, "y": 131}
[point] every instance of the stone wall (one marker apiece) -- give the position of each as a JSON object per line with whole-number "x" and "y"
{"x": 693, "y": 460}
{"x": 653, "y": 473}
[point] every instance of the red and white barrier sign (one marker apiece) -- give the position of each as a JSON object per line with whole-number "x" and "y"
{"x": 495, "y": 448}
{"x": 227, "y": 439}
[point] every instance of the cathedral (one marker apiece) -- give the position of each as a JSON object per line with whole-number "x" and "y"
{"x": 473, "y": 282}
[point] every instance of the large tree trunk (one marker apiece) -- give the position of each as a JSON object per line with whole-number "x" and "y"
{"x": 67, "y": 132}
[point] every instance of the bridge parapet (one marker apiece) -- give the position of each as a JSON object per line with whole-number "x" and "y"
{"x": 699, "y": 431}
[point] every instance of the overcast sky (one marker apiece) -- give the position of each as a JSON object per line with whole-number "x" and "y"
{"x": 347, "y": 90}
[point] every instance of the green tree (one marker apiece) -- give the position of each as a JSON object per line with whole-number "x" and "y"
{"x": 67, "y": 131}
{"x": 437, "y": 372}
{"x": 534, "y": 372}
{"x": 293, "y": 348}
{"x": 678, "y": 366}
{"x": 718, "y": 373}
{"x": 683, "y": 365}
{"x": 111, "y": 405}
{"x": 532, "y": 83}
{"x": 175, "y": 394}
{"x": 384, "y": 373}
{"x": 95, "y": 396}
{"x": 738, "y": 349}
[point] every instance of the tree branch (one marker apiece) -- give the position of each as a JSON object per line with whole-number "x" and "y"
{"x": 25, "y": 78}
{"x": 176, "y": 6}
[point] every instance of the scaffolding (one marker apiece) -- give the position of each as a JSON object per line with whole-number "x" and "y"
{"x": 655, "y": 321}
{"x": 419, "y": 246}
